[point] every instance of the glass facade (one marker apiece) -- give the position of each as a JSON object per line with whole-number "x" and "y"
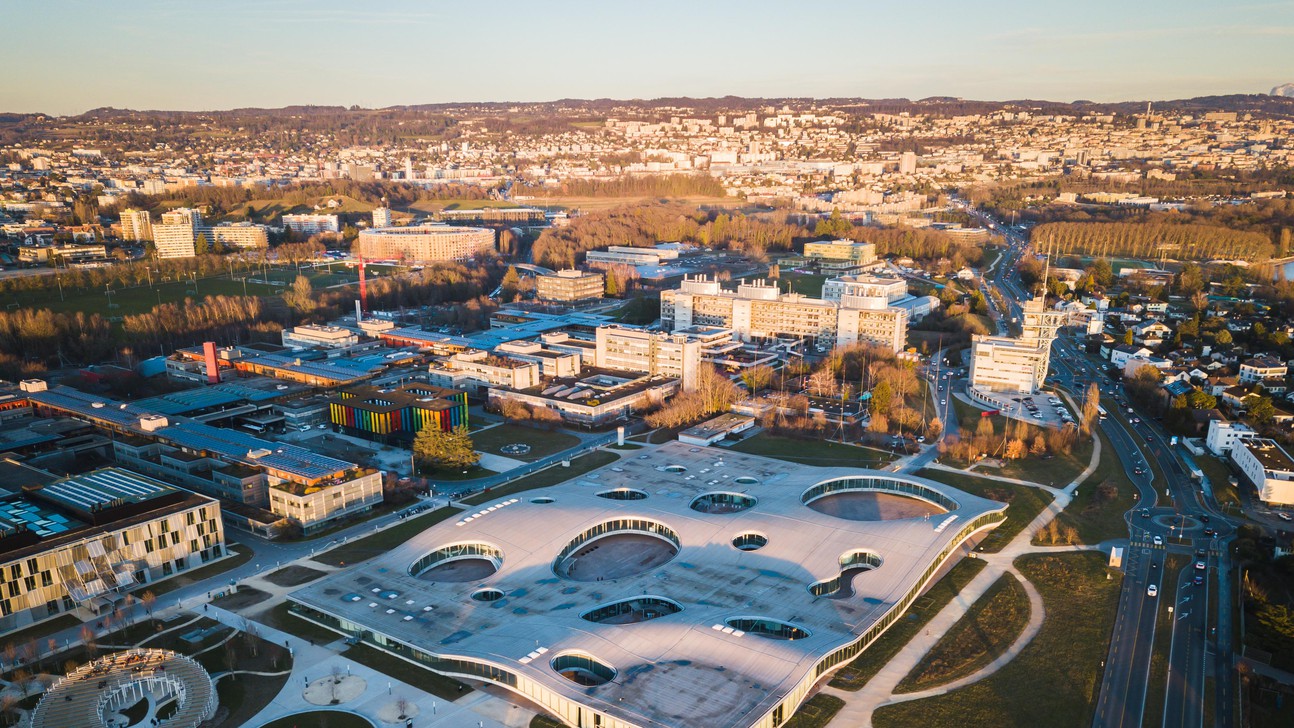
{"x": 454, "y": 552}
{"x": 880, "y": 485}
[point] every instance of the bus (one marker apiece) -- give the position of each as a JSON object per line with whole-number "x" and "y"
{"x": 1100, "y": 412}
{"x": 990, "y": 413}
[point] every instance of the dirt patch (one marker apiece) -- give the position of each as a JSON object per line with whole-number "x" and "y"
{"x": 293, "y": 575}
{"x": 243, "y": 598}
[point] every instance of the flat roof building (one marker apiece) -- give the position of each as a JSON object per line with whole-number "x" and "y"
{"x": 312, "y": 224}
{"x": 570, "y": 286}
{"x": 1268, "y": 466}
{"x": 425, "y": 243}
{"x": 406, "y": 409}
{"x": 82, "y": 542}
{"x": 678, "y": 588}
{"x": 848, "y": 250}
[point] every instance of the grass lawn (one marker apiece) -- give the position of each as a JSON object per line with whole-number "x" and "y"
{"x": 320, "y": 719}
{"x": 1023, "y": 502}
{"x": 384, "y": 540}
{"x": 293, "y": 575}
{"x": 546, "y": 477}
{"x": 421, "y": 678}
{"x": 1095, "y": 516}
{"x": 1055, "y": 680}
{"x": 1059, "y": 470}
{"x": 542, "y": 442}
{"x": 245, "y": 597}
{"x": 816, "y": 712}
{"x": 864, "y": 667}
{"x": 542, "y": 720}
{"x": 1219, "y": 475}
{"x": 241, "y": 555}
{"x": 978, "y": 638}
{"x": 807, "y": 284}
{"x": 813, "y": 452}
{"x": 1157, "y": 685}
{"x": 38, "y": 632}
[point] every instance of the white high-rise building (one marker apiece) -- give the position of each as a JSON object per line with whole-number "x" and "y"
{"x": 136, "y": 226}
{"x": 176, "y": 236}
{"x": 381, "y": 217}
{"x": 1017, "y": 365}
{"x": 908, "y": 163}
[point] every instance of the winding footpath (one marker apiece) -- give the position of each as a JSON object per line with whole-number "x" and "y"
{"x": 879, "y": 691}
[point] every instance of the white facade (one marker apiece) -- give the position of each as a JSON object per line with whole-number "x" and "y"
{"x": 136, "y": 226}
{"x": 1268, "y": 467}
{"x": 312, "y": 224}
{"x": 1224, "y": 435}
{"x": 427, "y": 243}
{"x": 381, "y": 217}
{"x": 657, "y": 353}
{"x": 312, "y": 335}
{"x": 891, "y": 289}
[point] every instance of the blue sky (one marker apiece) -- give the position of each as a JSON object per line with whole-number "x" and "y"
{"x": 64, "y": 56}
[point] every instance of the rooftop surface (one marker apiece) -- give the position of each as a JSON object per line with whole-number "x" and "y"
{"x": 686, "y": 668}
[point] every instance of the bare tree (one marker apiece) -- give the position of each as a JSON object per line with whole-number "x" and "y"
{"x": 402, "y": 704}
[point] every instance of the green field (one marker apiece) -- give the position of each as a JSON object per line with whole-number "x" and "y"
{"x": 141, "y": 299}
{"x": 1094, "y": 516}
{"x": 542, "y": 442}
{"x": 1055, "y": 680}
{"x": 985, "y": 632}
{"x": 864, "y": 667}
{"x": 1023, "y": 502}
{"x": 813, "y": 452}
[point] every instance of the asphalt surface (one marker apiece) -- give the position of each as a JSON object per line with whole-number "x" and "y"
{"x": 1197, "y": 650}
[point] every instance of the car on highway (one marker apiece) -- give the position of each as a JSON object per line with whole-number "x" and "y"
{"x": 1152, "y": 591}
{"x": 1197, "y": 580}
{"x": 1209, "y": 532}
{"x": 1145, "y": 513}
{"x": 1159, "y": 540}
{"x": 1200, "y": 566}
{"x": 1284, "y": 517}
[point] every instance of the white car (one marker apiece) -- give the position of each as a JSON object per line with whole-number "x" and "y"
{"x": 1159, "y": 541}
{"x": 1152, "y": 591}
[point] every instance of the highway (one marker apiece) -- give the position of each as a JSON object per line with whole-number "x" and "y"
{"x": 1183, "y": 517}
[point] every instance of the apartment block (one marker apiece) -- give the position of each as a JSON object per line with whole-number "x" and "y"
{"x": 1268, "y": 467}
{"x": 136, "y": 226}
{"x": 312, "y": 224}
{"x": 847, "y": 250}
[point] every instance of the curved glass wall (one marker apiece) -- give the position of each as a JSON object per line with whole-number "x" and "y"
{"x": 583, "y": 669}
{"x": 619, "y": 525}
{"x": 722, "y": 502}
{"x": 768, "y": 628}
{"x": 629, "y": 611}
{"x": 457, "y": 552}
{"x": 879, "y": 485}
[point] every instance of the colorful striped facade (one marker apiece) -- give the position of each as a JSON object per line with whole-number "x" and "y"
{"x": 407, "y": 409}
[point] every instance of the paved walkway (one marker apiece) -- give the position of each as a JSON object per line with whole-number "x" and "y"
{"x": 879, "y": 691}
{"x": 380, "y": 693}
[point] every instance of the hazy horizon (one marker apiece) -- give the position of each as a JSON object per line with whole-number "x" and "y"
{"x": 154, "y": 55}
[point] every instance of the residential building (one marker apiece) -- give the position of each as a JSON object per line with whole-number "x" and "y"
{"x": 570, "y": 286}
{"x": 81, "y": 543}
{"x": 425, "y": 243}
{"x": 136, "y": 226}
{"x": 1268, "y": 467}
{"x": 61, "y": 254}
{"x": 847, "y": 250}
{"x": 493, "y": 216}
{"x": 381, "y": 217}
{"x": 1223, "y": 436}
{"x": 238, "y": 235}
{"x": 1267, "y": 371}
{"x": 758, "y": 310}
{"x": 176, "y": 236}
{"x": 312, "y": 224}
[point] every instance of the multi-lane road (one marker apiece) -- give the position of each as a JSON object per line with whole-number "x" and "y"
{"x": 1172, "y": 516}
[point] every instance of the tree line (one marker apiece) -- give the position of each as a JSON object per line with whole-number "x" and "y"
{"x": 1189, "y": 241}
{"x": 668, "y": 185}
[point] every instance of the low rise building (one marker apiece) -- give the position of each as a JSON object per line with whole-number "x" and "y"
{"x": 1268, "y": 467}
{"x": 312, "y": 224}
{"x": 846, "y": 250}
{"x": 315, "y": 335}
{"x": 891, "y": 289}
{"x": 596, "y": 398}
{"x": 570, "y": 286}
{"x": 476, "y": 370}
{"x": 1267, "y": 371}
{"x": 403, "y": 410}
{"x": 716, "y": 428}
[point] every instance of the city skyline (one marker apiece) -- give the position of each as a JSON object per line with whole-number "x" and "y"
{"x": 329, "y": 53}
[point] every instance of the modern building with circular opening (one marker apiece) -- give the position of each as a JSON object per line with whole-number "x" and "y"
{"x": 649, "y": 612}
{"x": 623, "y": 494}
{"x": 424, "y": 243}
{"x": 458, "y": 562}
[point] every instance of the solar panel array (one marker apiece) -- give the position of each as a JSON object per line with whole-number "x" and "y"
{"x": 106, "y": 409}
{"x": 41, "y": 521}
{"x": 103, "y": 487}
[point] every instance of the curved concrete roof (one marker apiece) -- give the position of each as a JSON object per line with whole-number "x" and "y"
{"x": 676, "y": 670}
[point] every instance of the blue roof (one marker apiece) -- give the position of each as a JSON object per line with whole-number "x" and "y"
{"x": 244, "y": 448}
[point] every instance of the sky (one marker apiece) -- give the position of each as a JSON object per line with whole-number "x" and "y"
{"x": 68, "y": 56}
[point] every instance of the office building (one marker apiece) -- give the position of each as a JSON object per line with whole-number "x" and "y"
{"x": 759, "y": 311}
{"x": 1012, "y": 365}
{"x": 318, "y": 336}
{"x": 629, "y": 255}
{"x": 656, "y": 353}
{"x": 406, "y": 410}
{"x": 891, "y": 289}
{"x": 80, "y": 543}
{"x": 136, "y": 227}
{"x": 570, "y": 286}
{"x": 737, "y": 577}
{"x": 1268, "y": 467}
{"x": 842, "y": 250}
{"x": 425, "y": 243}
{"x": 312, "y": 224}
{"x": 475, "y": 370}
